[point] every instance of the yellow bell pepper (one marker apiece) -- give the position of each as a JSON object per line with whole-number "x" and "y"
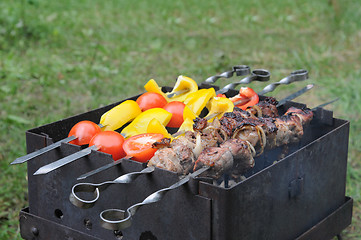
{"x": 155, "y": 126}
{"x": 219, "y": 106}
{"x": 187, "y": 125}
{"x": 188, "y": 113}
{"x": 152, "y": 86}
{"x": 198, "y": 100}
{"x": 140, "y": 123}
{"x": 119, "y": 115}
{"x": 183, "y": 84}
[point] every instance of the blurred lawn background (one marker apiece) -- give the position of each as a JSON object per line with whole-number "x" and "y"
{"x": 60, "y": 58}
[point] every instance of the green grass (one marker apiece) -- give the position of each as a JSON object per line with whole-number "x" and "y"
{"x": 60, "y": 58}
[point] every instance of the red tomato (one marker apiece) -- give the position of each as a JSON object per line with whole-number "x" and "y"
{"x": 247, "y": 96}
{"x": 84, "y": 131}
{"x": 176, "y": 109}
{"x": 139, "y": 147}
{"x": 110, "y": 142}
{"x": 150, "y": 100}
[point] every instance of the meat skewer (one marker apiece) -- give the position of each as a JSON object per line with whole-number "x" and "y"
{"x": 248, "y": 137}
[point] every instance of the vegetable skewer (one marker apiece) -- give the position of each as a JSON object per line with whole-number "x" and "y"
{"x": 82, "y": 132}
{"x": 112, "y": 143}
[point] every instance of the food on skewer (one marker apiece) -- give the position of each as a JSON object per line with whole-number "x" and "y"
{"x": 111, "y": 142}
{"x": 84, "y": 131}
{"x": 150, "y": 100}
{"x": 246, "y": 137}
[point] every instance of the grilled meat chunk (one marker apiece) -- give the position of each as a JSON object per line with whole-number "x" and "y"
{"x": 199, "y": 124}
{"x": 242, "y": 153}
{"x": 265, "y": 108}
{"x": 220, "y": 159}
{"x": 166, "y": 158}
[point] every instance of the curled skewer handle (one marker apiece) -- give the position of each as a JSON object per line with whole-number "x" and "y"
{"x": 117, "y": 219}
{"x": 96, "y": 188}
{"x": 256, "y": 75}
{"x": 298, "y": 75}
{"x": 239, "y": 70}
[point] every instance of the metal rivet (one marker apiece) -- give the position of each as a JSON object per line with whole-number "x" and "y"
{"x": 35, "y": 231}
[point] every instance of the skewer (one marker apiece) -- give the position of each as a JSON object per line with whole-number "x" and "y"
{"x": 97, "y": 188}
{"x": 112, "y": 164}
{"x": 116, "y": 219}
{"x": 108, "y": 141}
{"x": 261, "y": 75}
{"x": 57, "y": 144}
{"x": 298, "y": 75}
{"x": 239, "y": 70}
{"x": 294, "y": 95}
{"x": 295, "y": 76}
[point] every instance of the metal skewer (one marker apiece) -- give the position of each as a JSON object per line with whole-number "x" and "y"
{"x": 325, "y": 104}
{"x": 66, "y": 160}
{"x": 43, "y": 150}
{"x": 116, "y": 219}
{"x": 256, "y": 75}
{"x": 298, "y": 75}
{"x": 294, "y": 95}
{"x": 239, "y": 70}
{"x": 97, "y": 188}
{"x": 295, "y": 76}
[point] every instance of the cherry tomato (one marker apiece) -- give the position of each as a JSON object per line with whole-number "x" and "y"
{"x": 150, "y": 100}
{"x": 110, "y": 142}
{"x": 139, "y": 147}
{"x": 84, "y": 131}
{"x": 247, "y": 96}
{"x": 176, "y": 109}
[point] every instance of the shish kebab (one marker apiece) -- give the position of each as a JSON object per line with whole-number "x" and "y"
{"x": 265, "y": 108}
{"x": 268, "y": 109}
{"x": 61, "y": 162}
{"x": 258, "y": 75}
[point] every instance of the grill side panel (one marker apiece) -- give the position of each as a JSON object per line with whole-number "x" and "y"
{"x": 287, "y": 198}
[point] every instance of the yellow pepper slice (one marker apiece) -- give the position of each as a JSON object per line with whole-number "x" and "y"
{"x": 140, "y": 123}
{"x": 197, "y": 101}
{"x": 219, "y": 106}
{"x": 188, "y": 113}
{"x": 152, "y": 86}
{"x": 183, "y": 84}
{"x": 119, "y": 115}
{"x": 155, "y": 126}
{"x": 187, "y": 125}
